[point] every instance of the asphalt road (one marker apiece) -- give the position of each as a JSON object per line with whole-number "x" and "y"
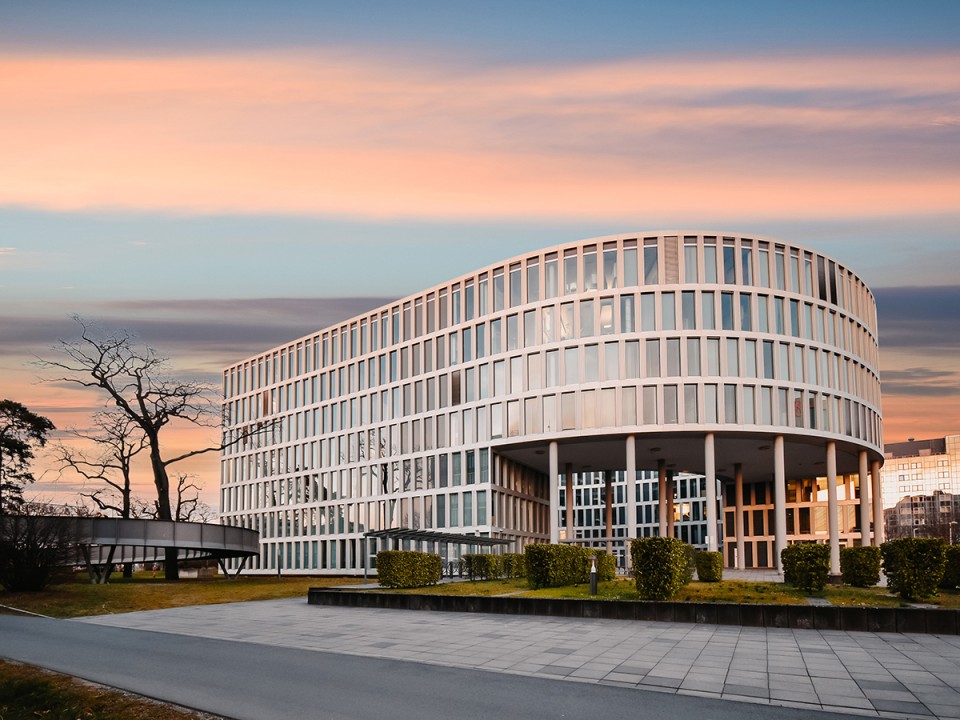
{"x": 245, "y": 680}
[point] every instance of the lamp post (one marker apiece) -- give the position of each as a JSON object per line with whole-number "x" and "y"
{"x": 950, "y": 527}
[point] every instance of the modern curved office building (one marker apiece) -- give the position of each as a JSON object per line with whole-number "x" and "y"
{"x": 479, "y": 406}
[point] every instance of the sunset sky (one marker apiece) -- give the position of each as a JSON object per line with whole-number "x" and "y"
{"x": 221, "y": 177}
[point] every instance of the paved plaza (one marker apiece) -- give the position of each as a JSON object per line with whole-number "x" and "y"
{"x": 873, "y": 674}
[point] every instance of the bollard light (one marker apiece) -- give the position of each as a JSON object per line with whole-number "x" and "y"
{"x": 593, "y": 576}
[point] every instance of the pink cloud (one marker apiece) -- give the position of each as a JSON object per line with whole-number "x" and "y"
{"x": 326, "y": 134}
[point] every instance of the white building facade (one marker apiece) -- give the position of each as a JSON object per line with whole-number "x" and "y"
{"x": 748, "y": 361}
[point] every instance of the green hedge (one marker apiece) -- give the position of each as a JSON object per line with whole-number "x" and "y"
{"x": 709, "y": 566}
{"x": 660, "y": 566}
{"x": 483, "y": 566}
{"x": 556, "y": 565}
{"x": 914, "y": 566}
{"x": 405, "y": 568}
{"x": 606, "y": 565}
{"x": 514, "y": 565}
{"x": 860, "y": 566}
{"x": 806, "y": 565}
{"x": 951, "y": 576}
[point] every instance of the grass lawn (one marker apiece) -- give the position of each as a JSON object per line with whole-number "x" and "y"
{"x": 28, "y": 693}
{"x": 79, "y": 597}
{"x": 726, "y": 591}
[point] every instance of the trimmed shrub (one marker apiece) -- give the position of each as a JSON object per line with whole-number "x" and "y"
{"x": 483, "y": 566}
{"x": 660, "y": 566}
{"x": 691, "y": 553}
{"x": 606, "y": 565}
{"x": 914, "y": 566}
{"x": 951, "y": 575}
{"x": 860, "y": 566}
{"x": 709, "y": 566}
{"x": 514, "y": 565}
{"x": 806, "y": 565}
{"x": 556, "y": 565}
{"x": 406, "y": 569}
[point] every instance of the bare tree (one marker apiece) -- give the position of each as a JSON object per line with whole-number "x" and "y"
{"x": 117, "y": 441}
{"x": 136, "y": 380}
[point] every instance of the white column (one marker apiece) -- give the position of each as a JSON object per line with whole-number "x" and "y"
{"x": 631, "y": 447}
{"x": 864, "y": 499}
{"x": 568, "y": 476}
{"x": 738, "y": 516}
{"x": 779, "y": 502}
{"x": 833, "y": 520}
{"x": 608, "y": 501}
{"x": 710, "y": 465}
{"x": 671, "y": 507}
{"x": 554, "y": 494}
{"x": 662, "y": 493}
{"x": 878, "y": 529}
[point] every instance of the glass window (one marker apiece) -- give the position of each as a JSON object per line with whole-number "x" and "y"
{"x": 570, "y": 272}
{"x": 483, "y": 291}
{"x": 746, "y": 313}
{"x": 710, "y": 403}
{"x": 589, "y": 400}
{"x": 670, "y": 404}
{"x": 530, "y": 328}
{"x": 693, "y": 356}
{"x": 690, "y": 262}
{"x": 496, "y": 336}
{"x": 630, "y": 267}
{"x": 729, "y": 265}
{"x": 550, "y": 279}
{"x": 690, "y": 403}
{"x": 631, "y": 358}
{"x": 568, "y": 410}
{"x": 763, "y": 324}
{"x": 733, "y": 357}
{"x": 513, "y": 418}
{"x": 708, "y": 311}
{"x": 516, "y": 291}
{"x": 586, "y": 319}
{"x": 533, "y": 281}
{"x": 571, "y": 370}
{"x": 795, "y": 318}
{"x": 549, "y": 323}
{"x": 533, "y": 371}
{"x": 713, "y": 356}
{"x": 606, "y": 316}
{"x": 650, "y": 273}
{"x": 610, "y": 268}
{"x": 673, "y": 357}
{"x": 749, "y": 400}
{"x": 468, "y": 301}
{"x": 566, "y": 321}
{"x": 710, "y": 260}
{"x": 653, "y": 358}
{"x": 591, "y": 363}
{"x": 513, "y": 332}
{"x": 750, "y": 358}
{"x": 668, "y": 307}
{"x": 648, "y": 309}
{"x": 688, "y": 310}
{"x": 498, "y": 290}
{"x": 590, "y": 270}
{"x": 726, "y": 310}
{"x": 496, "y": 420}
{"x": 553, "y": 367}
{"x": 764, "y": 269}
{"x": 499, "y": 378}
{"x": 746, "y": 263}
{"x": 628, "y": 320}
{"x": 650, "y": 405}
{"x": 611, "y": 361}
{"x": 516, "y": 374}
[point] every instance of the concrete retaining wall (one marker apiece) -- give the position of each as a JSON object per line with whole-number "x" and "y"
{"x": 870, "y": 619}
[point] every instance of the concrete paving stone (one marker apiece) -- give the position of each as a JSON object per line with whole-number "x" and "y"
{"x": 658, "y": 681}
{"x": 909, "y": 708}
{"x": 844, "y": 701}
{"x": 746, "y": 690}
{"x": 944, "y": 711}
{"x": 623, "y": 677}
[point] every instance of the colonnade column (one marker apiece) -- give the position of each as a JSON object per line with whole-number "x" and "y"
{"x": 568, "y": 476}
{"x": 554, "y": 493}
{"x": 631, "y": 448}
{"x": 833, "y": 520}
{"x": 738, "y": 517}
{"x": 779, "y": 502}
{"x": 671, "y": 507}
{"x": 864, "y": 500}
{"x": 608, "y": 494}
{"x": 710, "y": 470}
{"x": 662, "y": 495}
{"x": 878, "y": 529}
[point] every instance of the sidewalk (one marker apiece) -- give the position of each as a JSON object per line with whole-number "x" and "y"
{"x": 885, "y": 675}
